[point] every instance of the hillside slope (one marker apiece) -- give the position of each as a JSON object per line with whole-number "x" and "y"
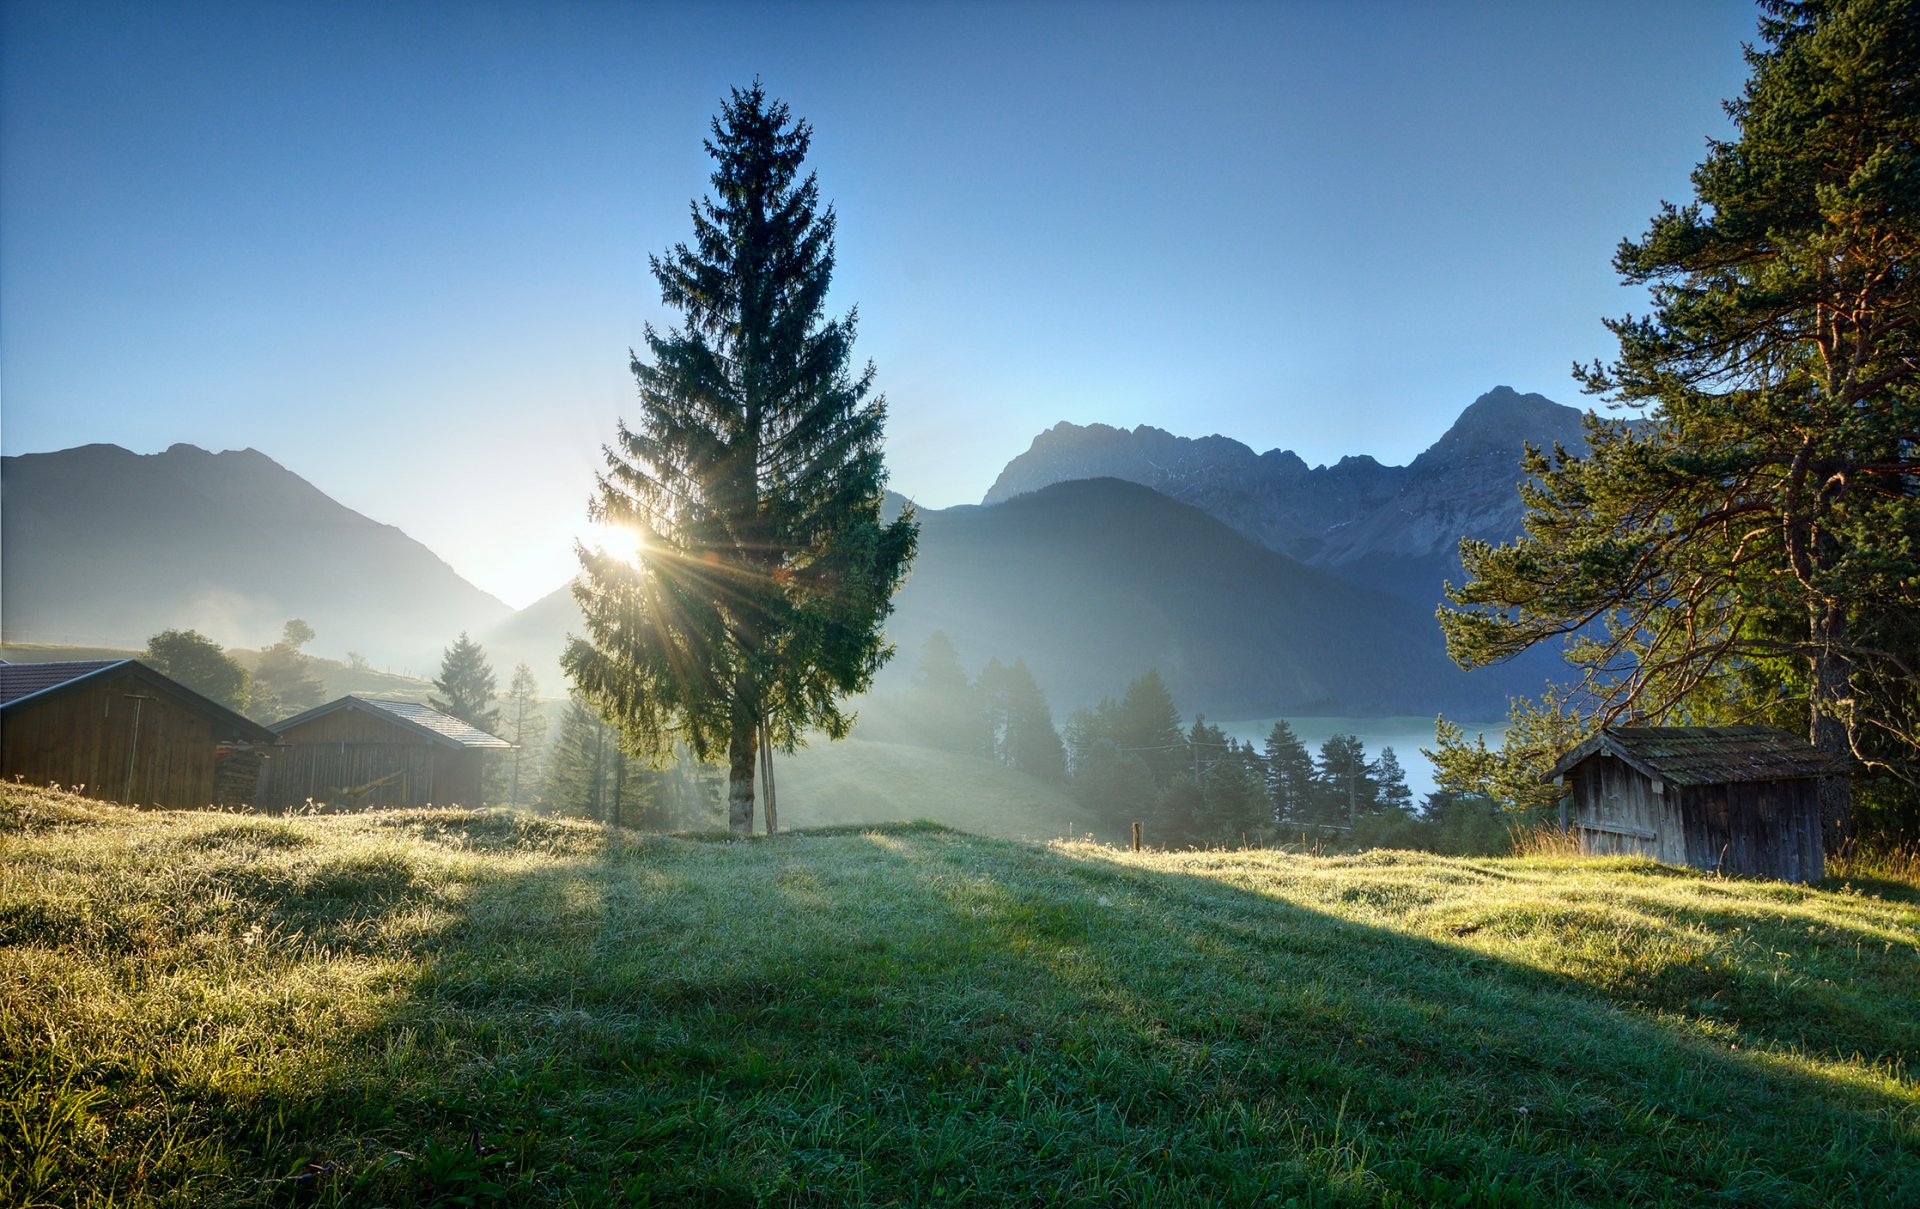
{"x": 860, "y": 781}
{"x": 102, "y": 545}
{"x": 456, "y": 1007}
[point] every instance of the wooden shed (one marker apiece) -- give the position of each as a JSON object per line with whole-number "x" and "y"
{"x": 1737, "y": 799}
{"x": 118, "y": 730}
{"x": 360, "y": 753}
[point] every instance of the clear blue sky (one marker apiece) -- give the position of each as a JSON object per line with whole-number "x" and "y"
{"x": 401, "y": 247}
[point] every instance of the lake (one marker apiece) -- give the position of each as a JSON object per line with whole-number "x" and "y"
{"x": 1405, "y": 734}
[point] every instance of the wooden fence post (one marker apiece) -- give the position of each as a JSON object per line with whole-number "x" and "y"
{"x": 1136, "y": 837}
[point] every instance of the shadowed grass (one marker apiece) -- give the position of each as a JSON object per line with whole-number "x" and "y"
{"x": 458, "y": 1007}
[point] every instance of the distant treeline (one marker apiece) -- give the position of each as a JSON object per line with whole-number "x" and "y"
{"x": 1188, "y": 785}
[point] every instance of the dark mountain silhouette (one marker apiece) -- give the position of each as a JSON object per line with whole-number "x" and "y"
{"x": 104, "y": 545}
{"x": 1092, "y": 582}
{"x": 1396, "y": 528}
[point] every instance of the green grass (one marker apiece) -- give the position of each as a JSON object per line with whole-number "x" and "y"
{"x": 863, "y": 781}
{"x": 462, "y": 1007}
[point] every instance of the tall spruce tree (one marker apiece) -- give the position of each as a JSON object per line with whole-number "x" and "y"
{"x": 466, "y": 685}
{"x": 523, "y": 721}
{"x": 1750, "y": 550}
{"x": 1289, "y": 774}
{"x": 752, "y": 480}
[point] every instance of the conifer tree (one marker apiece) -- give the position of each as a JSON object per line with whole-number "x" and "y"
{"x": 1343, "y": 784}
{"x": 1289, "y": 774}
{"x": 943, "y": 706}
{"x": 1750, "y": 550}
{"x": 1147, "y": 724}
{"x": 1391, "y": 792}
{"x": 523, "y": 722}
{"x": 466, "y": 685}
{"x": 752, "y": 480}
{"x": 1020, "y": 723}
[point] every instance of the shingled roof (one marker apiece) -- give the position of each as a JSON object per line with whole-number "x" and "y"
{"x": 21, "y": 680}
{"x": 444, "y": 729}
{"x": 24, "y": 684}
{"x": 1704, "y": 755}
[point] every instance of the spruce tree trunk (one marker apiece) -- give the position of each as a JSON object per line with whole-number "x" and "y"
{"x": 742, "y": 746}
{"x": 766, "y": 776}
{"x": 1830, "y": 683}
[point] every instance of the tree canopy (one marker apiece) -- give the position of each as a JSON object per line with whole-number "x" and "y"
{"x": 1744, "y": 542}
{"x": 199, "y": 663}
{"x": 752, "y": 479}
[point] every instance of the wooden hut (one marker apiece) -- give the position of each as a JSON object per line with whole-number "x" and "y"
{"x": 359, "y": 753}
{"x": 118, "y": 730}
{"x": 1737, "y": 799}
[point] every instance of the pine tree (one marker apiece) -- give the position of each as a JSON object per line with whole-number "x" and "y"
{"x": 1289, "y": 775}
{"x": 1343, "y": 785}
{"x": 1390, "y": 784}
{"x": 943, "y": 707}
{"x": 753, "y": 482}
{"x": 523, "y": 722}
{"x": 283, "y": 682}
{"x": 1750, "y": 549}
{"x": 466, "y": 685}
{"x": 198, "y": 662}
{"x": 1020, "y": 723}
{"x": 1147, "y": 724}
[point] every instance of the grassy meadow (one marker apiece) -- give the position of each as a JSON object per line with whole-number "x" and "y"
{"x": 462, "y": 1007}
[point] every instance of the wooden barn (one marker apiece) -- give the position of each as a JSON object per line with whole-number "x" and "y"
{"x": 363, "y": 754}
{"x": 125, "y": 733}
{"x": 1737, "y": 799}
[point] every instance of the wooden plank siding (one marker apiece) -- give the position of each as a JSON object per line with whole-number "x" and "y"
{"x": 1767, "y": 828}
{"x": 117, "y": 737}
{"x": 354, "y": 759}
{"x": 1619, "y": 812}
{"x": 1762, "y": 828}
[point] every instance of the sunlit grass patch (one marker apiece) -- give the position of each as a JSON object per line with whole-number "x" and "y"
{"x": 462, "y": 1006}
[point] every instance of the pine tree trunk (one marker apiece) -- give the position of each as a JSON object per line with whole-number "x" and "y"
{"x": 1830, "y": 683}
{"x": 742, "y": 746}
{"x": 766, "y": 776}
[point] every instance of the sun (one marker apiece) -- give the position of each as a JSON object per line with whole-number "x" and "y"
{"x": 617, "y": 540}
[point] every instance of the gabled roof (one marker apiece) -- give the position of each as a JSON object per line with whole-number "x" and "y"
{"x": 444, "y": 729}
{"x": 1704, "y": 755}
{"x": 27, "y": 683}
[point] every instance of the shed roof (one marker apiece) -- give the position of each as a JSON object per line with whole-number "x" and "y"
{"x": 25, "y": 683}
{"x": 428, "y": 723}
{"x": 1704, "y": 755}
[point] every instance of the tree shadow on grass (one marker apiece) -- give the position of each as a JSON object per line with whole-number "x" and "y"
{"x": 906, "y": 1015}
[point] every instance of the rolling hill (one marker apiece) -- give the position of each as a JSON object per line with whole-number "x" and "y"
{"x": 459, "y": 1008}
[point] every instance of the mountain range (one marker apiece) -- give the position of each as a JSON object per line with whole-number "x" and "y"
{"x": 1253, "y": 582}
{"x": 1393, "y": 527}
{"x": 102, "y": 545}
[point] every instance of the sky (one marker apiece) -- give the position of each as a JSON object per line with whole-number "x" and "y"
{"x": 402, "y": 248}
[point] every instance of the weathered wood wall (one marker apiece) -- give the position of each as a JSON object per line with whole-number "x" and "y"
{"x": 1618, "y": 812}
{"x": 119, "y": 739}
{"x": 356, "y": 760}
{"x": 1759, "y": 828}
{"x": 1762, "y": 828}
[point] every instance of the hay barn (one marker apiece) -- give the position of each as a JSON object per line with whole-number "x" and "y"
{"x": 116, "y": 729}
{"x": 361, "y": 754}
{"x": 1737, "y": 799}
